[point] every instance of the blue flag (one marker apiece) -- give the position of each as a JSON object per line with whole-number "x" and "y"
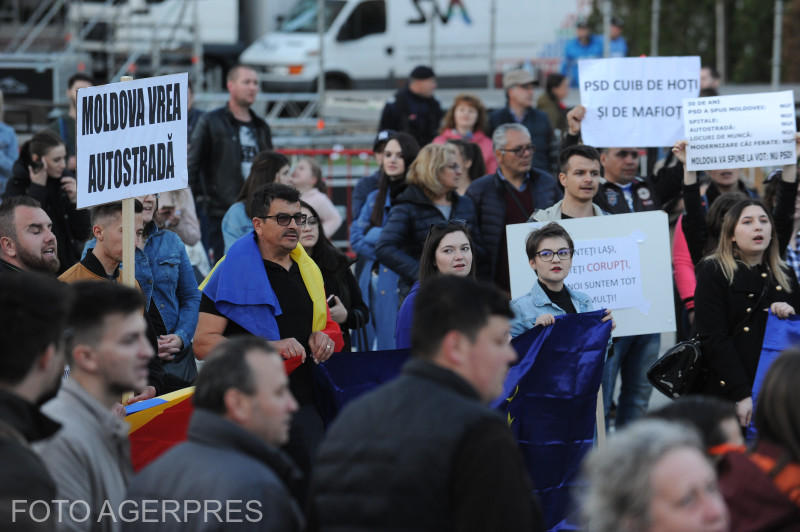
{"x": 549, "y": 398}
{"x": 779, "y": 335}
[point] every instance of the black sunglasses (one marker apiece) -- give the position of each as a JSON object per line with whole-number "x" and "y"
{"x": 285, "y": 219}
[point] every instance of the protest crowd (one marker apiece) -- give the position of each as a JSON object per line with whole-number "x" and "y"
{"x": 457, "y": 416}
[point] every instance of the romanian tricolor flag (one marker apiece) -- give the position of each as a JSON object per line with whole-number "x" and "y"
{"x": 157, "y": 424}
{"x": 161, "y": 422}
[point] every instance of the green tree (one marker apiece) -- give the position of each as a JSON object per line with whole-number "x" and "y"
{"x": 688, "y": 27}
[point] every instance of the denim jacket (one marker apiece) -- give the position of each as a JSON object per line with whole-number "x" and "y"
{"x": 535, "y": 303}
{"x": 167, "y": 279}
{"x": 235, "y": 224}
{"x": 378, "y": 283}
{"x": 363, "y": 237}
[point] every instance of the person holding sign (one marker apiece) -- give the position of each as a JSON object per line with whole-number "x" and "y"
{"x": 698, "y": 231}
{"x": 580, "y": 177}
{"x": 622, "y": 189}
{"x": 550, "y": 250}
{"x": 736, "y": 285}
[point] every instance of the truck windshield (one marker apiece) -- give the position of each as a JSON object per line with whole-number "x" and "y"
{"x": 303, "y": 17}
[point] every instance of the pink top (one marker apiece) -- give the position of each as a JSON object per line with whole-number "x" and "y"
{"x": 682, "y": 265}
{"x": 479, "y": 138}
{"x": 330, "y": 217}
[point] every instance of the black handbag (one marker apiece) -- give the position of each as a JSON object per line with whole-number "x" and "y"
{"x": 680, "y": 371}
{"x": 182, "y": 370}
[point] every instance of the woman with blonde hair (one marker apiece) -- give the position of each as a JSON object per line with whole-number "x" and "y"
{"x": 467, "y": 120}
{"x": 736, "y": 284}
{"x": 429, "y": 198}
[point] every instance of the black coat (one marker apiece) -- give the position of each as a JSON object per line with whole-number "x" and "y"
{"x": 215, "y": 158}
{"x": 731, "y": 325}
{"x": 339, "y": 281}
{"x": 71, "y": 227}
{"x": 694, "y": 218}
{"x": 222, "y": 461}
{"x": 406, "y": 228}
{"x": 24, "y": 475}
{"x": 421, "y": 453}
{"x": 488, "y": 195}
{"x": 416, "y": 115}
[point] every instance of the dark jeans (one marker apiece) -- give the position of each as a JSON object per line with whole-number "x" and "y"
{"x": 305, "y": 435}
{"x": 211, "y": 230}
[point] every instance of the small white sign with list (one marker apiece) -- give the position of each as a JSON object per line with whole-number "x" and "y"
{"x": 740, "y": 131}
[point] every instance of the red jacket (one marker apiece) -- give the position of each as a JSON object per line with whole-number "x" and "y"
{"x": 757, "y": 500}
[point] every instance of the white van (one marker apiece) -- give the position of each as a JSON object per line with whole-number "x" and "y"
{"x": 375, "y": 43}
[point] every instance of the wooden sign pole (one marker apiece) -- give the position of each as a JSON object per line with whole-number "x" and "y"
{"x": 128, "y": 234}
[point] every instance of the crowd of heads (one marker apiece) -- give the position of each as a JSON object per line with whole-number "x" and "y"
{"x": 656, "y": 474}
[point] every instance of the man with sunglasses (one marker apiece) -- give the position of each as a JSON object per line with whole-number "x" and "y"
{"x": 519, "y": 109}
{"x": 268, "y": 286}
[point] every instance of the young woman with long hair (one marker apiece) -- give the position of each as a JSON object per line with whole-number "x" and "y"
{"x": 428, "y": 199}
{"x": 378, "y": 283}
{"x": 742, "y": 279}
{"x": 447, "y": 251}
{"x": 344, "y": 297}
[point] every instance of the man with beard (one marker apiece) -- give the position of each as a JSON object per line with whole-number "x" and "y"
{"x": 108, "y": 353}
{"x": 27, "y": 242}
{"x": 35, "y": 308}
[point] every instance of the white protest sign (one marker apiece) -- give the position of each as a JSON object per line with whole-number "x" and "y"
{"x": 131, "y": 139}
{"x": 622, "y": 262}
{"x": 636, "y": 101}
{"x": 740, "y": 131}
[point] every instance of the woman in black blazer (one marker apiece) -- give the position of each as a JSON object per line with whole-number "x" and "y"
{"x": 736, "y": 285}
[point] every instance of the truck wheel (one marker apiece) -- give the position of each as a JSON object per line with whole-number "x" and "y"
{"x": 336, "y": 83}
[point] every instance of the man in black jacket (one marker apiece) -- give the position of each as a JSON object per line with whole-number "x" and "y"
{"x": 519, "y": 109}
{"x": 415, "y": 110}
{"x": 243, "y": 408}
{"x": 424, "y": 452}
{"x": 509, "y": 196}
{"x": 221, "y": 151}
{"x": 33, "y": 311}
